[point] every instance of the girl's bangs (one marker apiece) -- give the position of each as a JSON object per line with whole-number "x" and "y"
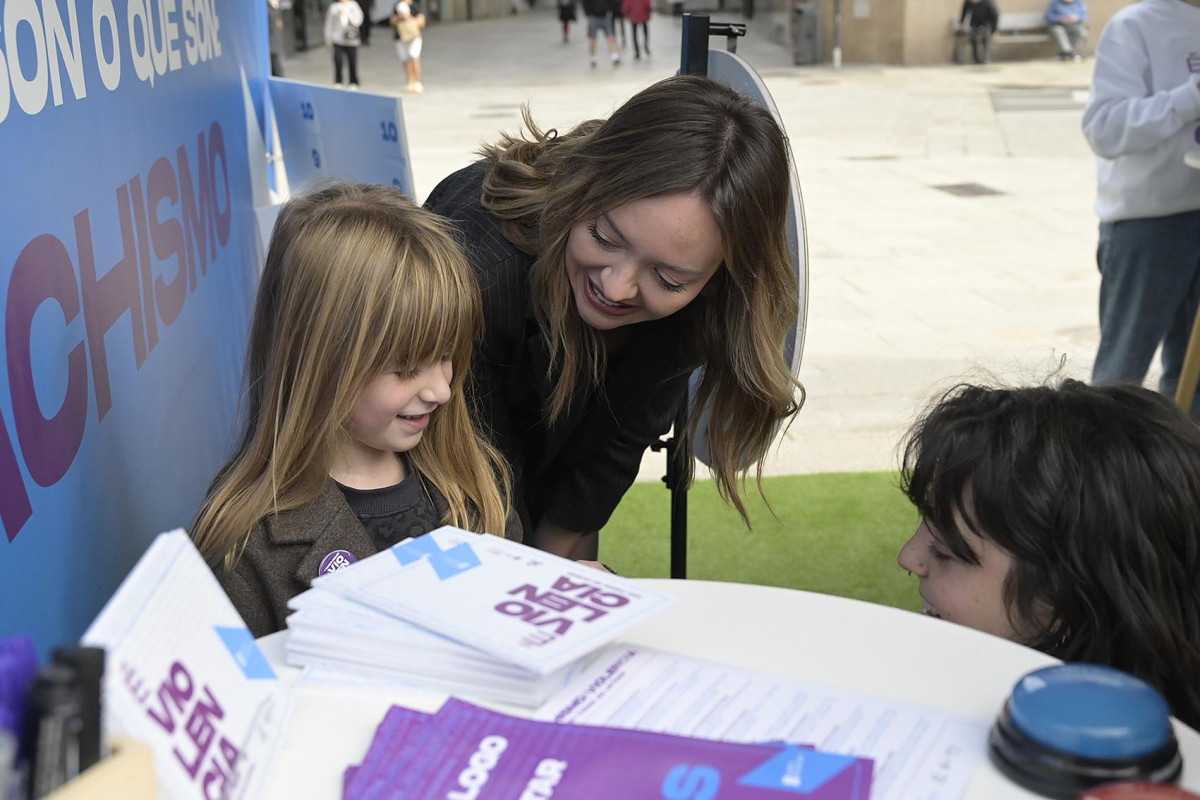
{"x": 433, "y": 317}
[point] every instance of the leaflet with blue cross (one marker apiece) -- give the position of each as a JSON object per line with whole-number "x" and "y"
{"x": 520, "y": 605}
{"x": 185, "y": 676}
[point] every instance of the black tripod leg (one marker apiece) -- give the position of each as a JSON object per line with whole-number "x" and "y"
{"x": 676, "y": 483}
{"x": 679, "y": 532}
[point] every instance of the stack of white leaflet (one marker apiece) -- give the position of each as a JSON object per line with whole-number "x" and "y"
{"x": 335, "y": 636}
{"x": 477, "y": 616}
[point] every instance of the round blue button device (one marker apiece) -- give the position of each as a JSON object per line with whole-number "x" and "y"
{"x": 1067, "y": 728}
{"x": 1091, "y": 711}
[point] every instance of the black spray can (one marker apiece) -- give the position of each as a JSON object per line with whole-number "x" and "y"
{"x": 88, "y": 664}
{"x": 54, "y": 723}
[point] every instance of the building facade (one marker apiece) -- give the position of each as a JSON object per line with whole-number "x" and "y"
{"x": 908, "y": 31}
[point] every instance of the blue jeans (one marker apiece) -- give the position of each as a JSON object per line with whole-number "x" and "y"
{"x": 1069, "y": 37}
{"x": 1149, "y": 292}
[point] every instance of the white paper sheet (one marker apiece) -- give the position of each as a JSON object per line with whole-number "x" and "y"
{"x": 919, "y": 753}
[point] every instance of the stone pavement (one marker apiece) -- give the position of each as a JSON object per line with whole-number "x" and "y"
{"x": 949, "y": 208}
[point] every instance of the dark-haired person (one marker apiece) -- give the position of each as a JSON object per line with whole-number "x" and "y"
{"x": 978, "y": 20}
{"x": 614, "y": 259}
{"x": 566, "y": 15}
{"x": 364, "y": 30}
{"x": 1068, "y": 519}
{"x": 599, "y": 20}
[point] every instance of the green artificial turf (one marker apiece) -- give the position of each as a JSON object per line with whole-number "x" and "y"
{"x": 835, "y": 533}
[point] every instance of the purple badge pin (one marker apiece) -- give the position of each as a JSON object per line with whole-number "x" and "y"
{"x": 338, "y": 559}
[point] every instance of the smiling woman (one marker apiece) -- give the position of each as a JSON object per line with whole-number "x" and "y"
{"x": 614, "y": 259}
{"x": 643, "y": 260}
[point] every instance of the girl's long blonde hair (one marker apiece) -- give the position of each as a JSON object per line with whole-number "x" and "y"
{"x": 358, "y": 282}
{"x": 682, "y": 135}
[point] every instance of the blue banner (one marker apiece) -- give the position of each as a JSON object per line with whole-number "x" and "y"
{"x": 329, "y": 133}
{"x": 133, "y": 160}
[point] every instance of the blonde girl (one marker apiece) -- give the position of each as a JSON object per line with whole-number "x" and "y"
{"x": 357, "y": 434}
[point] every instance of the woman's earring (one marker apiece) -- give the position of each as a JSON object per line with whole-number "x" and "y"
{"x": 909, "y": 571}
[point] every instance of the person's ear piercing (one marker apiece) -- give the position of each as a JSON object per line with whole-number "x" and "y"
{"x": 909, "y": 571}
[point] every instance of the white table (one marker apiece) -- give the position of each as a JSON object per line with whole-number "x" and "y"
{"x": 847, "y": 643}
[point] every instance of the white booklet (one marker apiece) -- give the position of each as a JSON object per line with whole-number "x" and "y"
{"x": 350, "y": 626}
{"x": 525, "y": 607}
{"x": 329, "y": 635}
{"x": 184, "y": 675}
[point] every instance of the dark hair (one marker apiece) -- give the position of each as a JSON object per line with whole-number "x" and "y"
{"x": 1095, "y": 493}
{"x": 684, "y": 134}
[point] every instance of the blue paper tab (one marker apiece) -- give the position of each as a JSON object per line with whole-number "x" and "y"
{"x": 411, "y": 551}
{"x": 446, "y": 563}
{"x": 797, "y": 770}
{"x": 246, "y": 653}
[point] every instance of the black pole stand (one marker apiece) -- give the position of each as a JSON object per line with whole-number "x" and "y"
{"x": 675, "y": 481}
{"x": 693, "y": 61}
{"x": 696, "y": 30}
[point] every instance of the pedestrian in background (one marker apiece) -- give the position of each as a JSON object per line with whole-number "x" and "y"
{"x": 978, "y": 20}
{"x": 599, "y": 17}
{"x": 618, "y": 23}
{"x": 638, "y": 13}
{"x": 275, "y": 37}
{"x": 365, "y": 30}
{"x": 1066, "y": 19}
{"x": 1143, "y": 115}
{"x": 342, "y": 24}
{"x": 409, "y": 43}
{"x": 566, "y": 15}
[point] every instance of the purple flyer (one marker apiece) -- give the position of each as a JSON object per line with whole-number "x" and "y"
{"x": 468, "y": 753}
{"x": 396, "y": 739}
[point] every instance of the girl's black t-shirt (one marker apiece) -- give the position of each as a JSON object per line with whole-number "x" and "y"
{"x": 393, "y": 513}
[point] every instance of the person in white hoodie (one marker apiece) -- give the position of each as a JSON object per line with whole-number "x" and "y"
{"x": 342, "y": 24}
{"x": 1142, "y": 117}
